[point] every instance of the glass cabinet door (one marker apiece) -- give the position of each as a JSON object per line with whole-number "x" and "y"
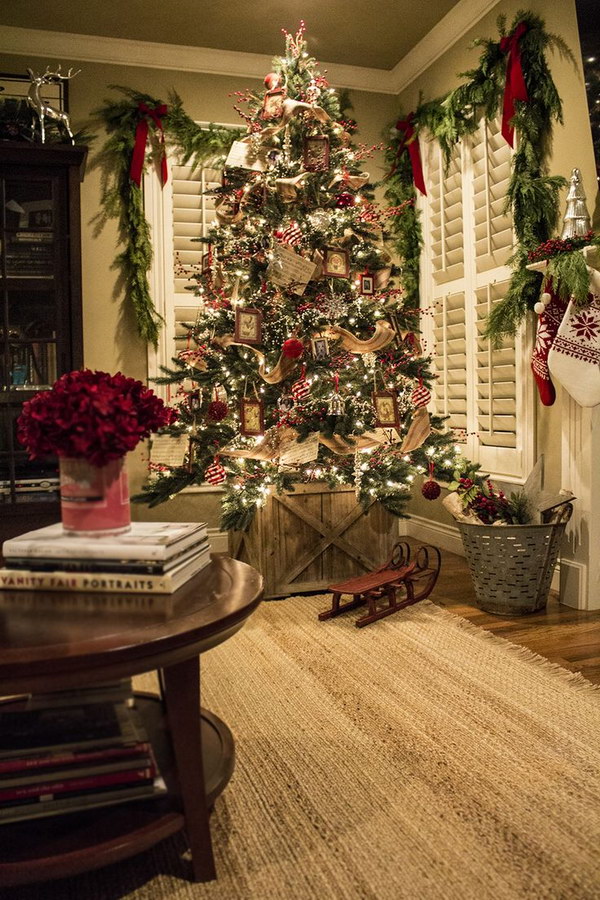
{"x": 40, "y": 303}
{"x": 31, "y": 268}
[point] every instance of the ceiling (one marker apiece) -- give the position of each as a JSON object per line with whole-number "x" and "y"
{"x": 375, "y": 34}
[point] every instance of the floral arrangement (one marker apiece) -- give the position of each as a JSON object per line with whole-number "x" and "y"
{"x": 91, "y": 415}
{"x": 483, "y": 504}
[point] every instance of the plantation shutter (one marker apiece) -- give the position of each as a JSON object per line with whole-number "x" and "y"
{"x": 450, "y": 390}
{"x": 444, "y": 244}
{"x": 468, "y": 240}
{"x": 192, "y": 212}
{"x": 500, "y": 406}
{"x": 178, "y": 213}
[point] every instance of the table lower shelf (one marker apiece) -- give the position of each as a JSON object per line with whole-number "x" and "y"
{"x": 62, "y": 846}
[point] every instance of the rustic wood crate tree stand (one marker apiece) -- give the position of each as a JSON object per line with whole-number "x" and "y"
{"x": 304, "y": 540}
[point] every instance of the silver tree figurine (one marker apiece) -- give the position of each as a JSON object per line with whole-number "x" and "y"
{"x": 576, "y": 220}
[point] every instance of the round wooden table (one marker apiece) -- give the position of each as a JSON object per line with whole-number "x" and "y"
{"x": 46, "y": 645}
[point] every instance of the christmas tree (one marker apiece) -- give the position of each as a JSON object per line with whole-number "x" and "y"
{"x": 304, "y": 362}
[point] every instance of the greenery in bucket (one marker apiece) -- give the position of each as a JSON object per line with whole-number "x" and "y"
{"x": 478, "y": 496}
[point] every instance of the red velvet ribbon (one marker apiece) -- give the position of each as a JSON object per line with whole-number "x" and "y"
{"x": 410, "y": 142}
{"x": 141, "y": 136}
{"x": 515, "y": 87}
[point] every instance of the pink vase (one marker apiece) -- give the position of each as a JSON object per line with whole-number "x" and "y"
{"x": 94, "y": 500}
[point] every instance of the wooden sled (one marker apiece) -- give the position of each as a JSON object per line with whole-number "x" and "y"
{"x": 396, "y": 584}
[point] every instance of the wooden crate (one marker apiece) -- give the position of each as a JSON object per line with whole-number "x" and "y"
{"x": 307, "y": 539}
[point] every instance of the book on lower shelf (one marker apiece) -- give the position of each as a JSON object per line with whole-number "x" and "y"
{"x": 73, "y": 756}
{"x": 74, "y": 727}
{"x": 88, "y": 800}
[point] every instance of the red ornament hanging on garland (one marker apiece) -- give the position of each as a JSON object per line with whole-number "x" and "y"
{"x": 420, "y": 396}
{"x": 344, "y": 200}
{"x": 301, "y": 388}
{"x": 215, "y": 474}
{"x": 217, "y": 410}
{"x": 430, "y": 488}
{"x": 293, "y": 348}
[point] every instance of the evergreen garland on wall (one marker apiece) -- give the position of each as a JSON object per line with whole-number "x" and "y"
{"x": 533, "y": 195}
{"x": 122, "y": 198}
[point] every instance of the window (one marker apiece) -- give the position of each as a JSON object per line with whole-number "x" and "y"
{"x": 485, "y": 392}
{"x": 179, "y": 214}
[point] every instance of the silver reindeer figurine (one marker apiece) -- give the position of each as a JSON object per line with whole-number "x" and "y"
{"x": 41, "y": 107}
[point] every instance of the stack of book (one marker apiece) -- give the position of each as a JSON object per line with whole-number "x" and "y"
{"x": 66, "y": 754}
{"x": 152, "y": 558}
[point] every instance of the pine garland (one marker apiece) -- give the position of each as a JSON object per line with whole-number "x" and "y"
{"x": 122, "y": 199}
{"x": 533, "y": 194}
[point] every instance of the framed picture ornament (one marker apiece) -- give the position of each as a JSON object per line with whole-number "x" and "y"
{"x": 316, "y": 153}
{"x": 273, "y": 103}
{"x": 252, "y": 418}
{"x": 248, "y": 325}
{"x": 320, "y": 348}
{"x": 336, "y": 263}
{"x": 367, "y": 284}
{"x": 386, "y": 409}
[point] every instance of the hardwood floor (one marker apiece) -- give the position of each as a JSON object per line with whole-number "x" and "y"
{"x": 566, "y": 636}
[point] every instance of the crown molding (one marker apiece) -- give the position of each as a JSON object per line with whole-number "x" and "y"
{"x": 124, "y": 52}
{"x": 436, "y": 42}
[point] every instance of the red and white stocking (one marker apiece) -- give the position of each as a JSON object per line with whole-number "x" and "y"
{"x": 574, "y": 359}
{"x": 551, "y": 309}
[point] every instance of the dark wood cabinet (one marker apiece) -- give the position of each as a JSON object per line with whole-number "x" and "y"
{"x": 40, "y": 311}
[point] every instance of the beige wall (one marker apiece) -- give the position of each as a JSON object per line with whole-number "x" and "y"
{"x": 572, "y": 146}
{"x": 110, "y": 340}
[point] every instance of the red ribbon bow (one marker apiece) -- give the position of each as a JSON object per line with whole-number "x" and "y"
{"x": 515, "y": 87}
{"x": 141, "y": 136}
{"x": 410, "y": 142}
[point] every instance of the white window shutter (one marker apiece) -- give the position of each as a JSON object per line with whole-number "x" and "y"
{"x": 484, "y": 391}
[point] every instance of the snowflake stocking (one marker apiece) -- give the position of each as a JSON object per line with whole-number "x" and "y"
{"x": 574, "y": 359}
{"x": 552, "y": 310}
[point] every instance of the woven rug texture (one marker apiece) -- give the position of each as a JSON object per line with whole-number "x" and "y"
{"x": 420, "y": 757}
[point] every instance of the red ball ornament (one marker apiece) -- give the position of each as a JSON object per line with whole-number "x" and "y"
{"x": 344, "y": 200}
{"x": 420, "y": 396}
{"x": 215, "y": 474}
{"x": 293, "y": 348}
{"x": 217, "y": 410}
{"x": 431, "y": 490}
{"x": 273, "y": 80}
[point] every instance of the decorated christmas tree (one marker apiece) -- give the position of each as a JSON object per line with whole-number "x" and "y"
{"x": 304, "y": 360}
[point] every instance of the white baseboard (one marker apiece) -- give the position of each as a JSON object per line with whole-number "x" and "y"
{"x": 446, "y": 537}
{"x": 573, "y": 584}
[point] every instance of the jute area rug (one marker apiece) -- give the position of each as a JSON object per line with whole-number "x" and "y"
{"x": 420, "y": 757}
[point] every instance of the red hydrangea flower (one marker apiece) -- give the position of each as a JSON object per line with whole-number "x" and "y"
{"x": 91, "y": 415}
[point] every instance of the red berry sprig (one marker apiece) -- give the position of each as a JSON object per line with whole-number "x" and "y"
{"x": 554, "y": 246}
